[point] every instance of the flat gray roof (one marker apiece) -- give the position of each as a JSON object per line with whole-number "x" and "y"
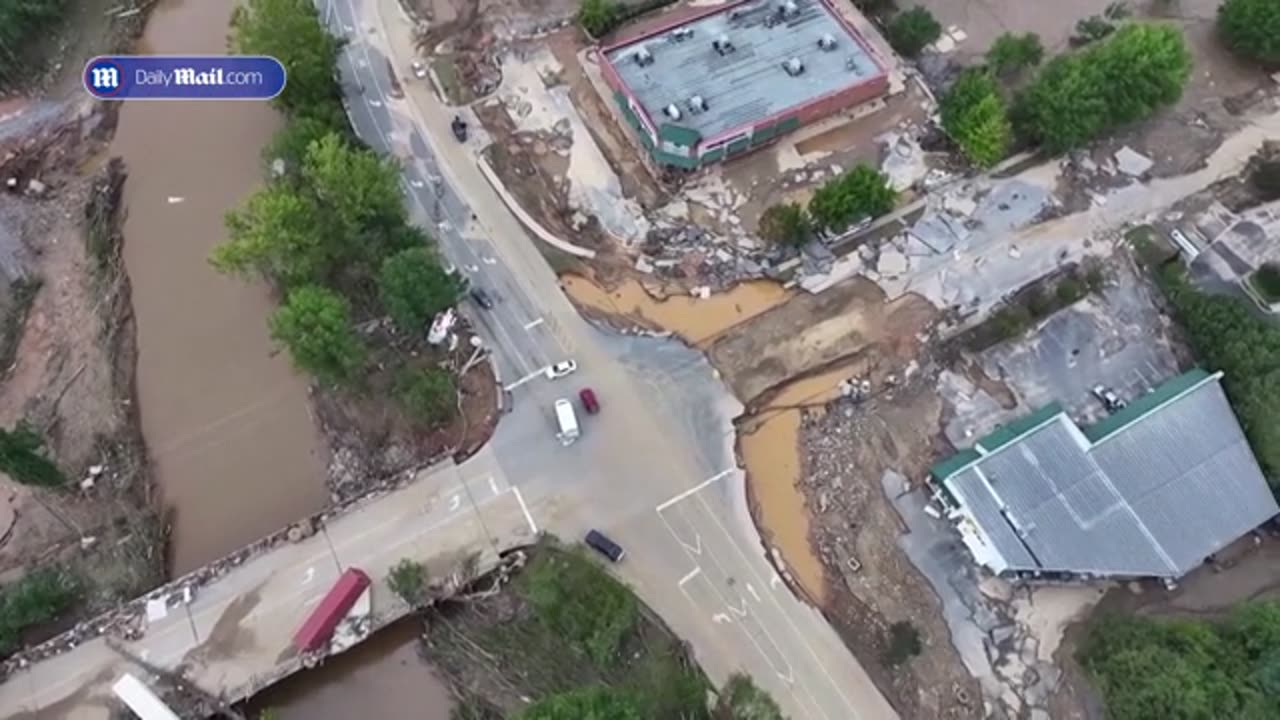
{"x": 748, "y": 84}
{"x": 1153, "y": 497}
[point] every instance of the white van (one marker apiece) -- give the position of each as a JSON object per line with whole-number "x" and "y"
{"x": 568, "y": 422}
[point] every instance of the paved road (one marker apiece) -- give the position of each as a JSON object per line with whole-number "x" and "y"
{"x": 237, "y": 631}
{"x": 656, "y": 468}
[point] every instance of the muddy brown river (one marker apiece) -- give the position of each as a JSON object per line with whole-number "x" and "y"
{"x": 227, "y": 423}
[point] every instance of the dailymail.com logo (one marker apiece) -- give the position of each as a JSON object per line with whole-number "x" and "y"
{"x": 178, "y": 77}
{"x": 103, "y": 77}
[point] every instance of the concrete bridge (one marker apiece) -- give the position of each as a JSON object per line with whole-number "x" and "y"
{"x": 232, "y": 636}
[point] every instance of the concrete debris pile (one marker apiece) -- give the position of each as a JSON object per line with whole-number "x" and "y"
{"x": 686, "y": 252}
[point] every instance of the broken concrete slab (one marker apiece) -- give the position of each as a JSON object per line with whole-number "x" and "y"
{"x": 1132, "y": 163}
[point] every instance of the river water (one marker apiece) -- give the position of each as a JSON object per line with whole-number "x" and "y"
{"x": 235, "y": 451}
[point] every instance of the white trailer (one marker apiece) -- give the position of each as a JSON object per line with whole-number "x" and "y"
{"x": 567, "y": 420}
{"x": 144, "y": 703}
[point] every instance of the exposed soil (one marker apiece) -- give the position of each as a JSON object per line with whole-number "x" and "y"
{"x": 812, "y": 331}
{"x": 371, "y": 440}
{"x": 72, "y": 378}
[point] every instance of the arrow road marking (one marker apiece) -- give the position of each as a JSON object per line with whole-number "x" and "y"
{"x": 739, "y": 611}
{"x": 311, "y": 575}
{"x": 720, "y": 618}
{"x": 455, "y": 502}
{"x": 753, "y": 592}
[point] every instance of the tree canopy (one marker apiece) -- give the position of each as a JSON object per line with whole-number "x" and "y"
{"x": 742, "y": 699}
{"x": 1125, "y": 78}
{"x": 21, "y": 458}
{"x": 291, "y": 32}
{"x": 911, "y": 31}
{"x": 428, "y": 396}
{"x": 856, "y": 195}
{"x": 598, "y": 17}
{"x": 315, "y": 325}
{"x": 786, "y": 224}
{"x": 1229, "y": 337}
{"x": 1251, "y": 28}
{"x": 343, "y": 215}
{"x": 1012, "y": 52}
{"x": 974, "y": 115}
{"x": 414, "y": 287}
{"x": 580, "y": 602}
{"x": 23, "y": 23}
{"x": 1187, "y": 669}
{"x": 590, "y": 703}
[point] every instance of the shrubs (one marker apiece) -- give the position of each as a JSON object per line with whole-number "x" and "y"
{"x": 1077, "y": 97}
{"x": 911, "y": 31}
{"x": 974, "y": 115}
{"x": 786, "y": 224}
{"x": 598, "y": 17}
{"x": 904, "y": 643}
{"x": 1251, "y": 28}
{"x": 1267, "y": 281}
{"x": 428, "y": 396}
{"x": 1011, "y": 53}
{"x": 315, "y": 325}
{"x": 414, "y": 287}
{"x": 408, "y": 580}
{"x": 858, "y": 194}
{"x": 21, "y": 458}
{"x": 37, "y": 598}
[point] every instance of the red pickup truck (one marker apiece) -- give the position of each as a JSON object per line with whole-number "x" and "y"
{"x": 320, "y": 624}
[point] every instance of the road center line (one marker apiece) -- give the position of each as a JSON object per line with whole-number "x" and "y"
{"x": 533, "y": 324}
{"x": 525, "y": 508}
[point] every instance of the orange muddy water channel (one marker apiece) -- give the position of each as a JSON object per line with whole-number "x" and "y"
{"x": 769, "y": 445}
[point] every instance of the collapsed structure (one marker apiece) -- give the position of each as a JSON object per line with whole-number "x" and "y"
{"x": 1151, "y": 491}
{"x": 723, "y": 81}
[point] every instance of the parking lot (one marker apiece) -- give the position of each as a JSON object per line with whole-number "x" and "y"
{"x": 1116, "y": 339}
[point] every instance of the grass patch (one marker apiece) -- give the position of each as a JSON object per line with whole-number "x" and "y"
{"x": 38, "y": 598}
{"x": 1150, "y": 248}
{"x": 22, "y": 295}
{"x": 455, "y": 91}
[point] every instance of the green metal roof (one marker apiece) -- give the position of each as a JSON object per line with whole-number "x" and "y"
{"x": 1145, "y": 405}
{"x": 1014, "y": 429}
{"x": 679, "y": 135}
{"x": 944, "y": 469}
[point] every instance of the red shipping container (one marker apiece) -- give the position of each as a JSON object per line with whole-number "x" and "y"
{"x": 319, "y": 625}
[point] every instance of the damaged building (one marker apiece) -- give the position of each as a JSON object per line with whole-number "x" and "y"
{"x": 1153, "y": 490}
{"x": 729, "y": 79}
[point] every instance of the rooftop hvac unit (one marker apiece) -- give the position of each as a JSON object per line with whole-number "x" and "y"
{"x": 672, "y": 111}
{"x": 643, "y": 57}
{"x": 680, "y": 34}
{"x": 722, "y": 45}
{"x": 852, "y": 64}
{"x": 770, "y": 20}
{"x": 697, "y": 104}
{"x": 827, "y": 42}
{"x": 789, "y": 9}
{"x": 793, "y": 66}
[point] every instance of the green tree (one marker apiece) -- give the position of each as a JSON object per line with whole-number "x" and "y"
{"x": 1251, "y": 28}
{"x": 974, "y": 115}
{"x": 598, "y": 17}
{"x": 912, "y": 30}
{"x": 22, "y": 460}
{"x": 40, "y": 596}
{"x": 1077, "y": 97}
{"x": 854, "y": 196}
{"x": 278, "y": 234}
{"x": 904, "y": 643}
{"x": 291, "y": 142}
{"x": 359, "y": 192}
{"x": 428, "y": 396}
{"x": 1266, "y": 178}
{"x": 315, "y": 325}
{"x": 414, "y": 288}
{"x": 408, "y": 580}
{"x": 786, "y": 224}
{"x": 1012, "y": 52}
{"x": 1267, "y": 281}
{"x": 590, "y": 703}
{"x": 578, "y": 601}
{"x": 291, "y": 31}
{"x": 23, "y": 23}
{"x": 741, "y": 699}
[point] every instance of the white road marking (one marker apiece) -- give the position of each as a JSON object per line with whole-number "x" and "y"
{"x": 375, "y": 103}
{"x": 694, "y": 489}
{"x": 751, "y": 589}
{"x": 533, "y": 527}
{"x": 533, "y": 323}
{"x": 455, "y": 502}
{"x": 417, "y": 183}
{"x": 493, "y": 485}
{"x": 488, "y": 260}
{"x": 689, "y": 576}
{"x": 309, "y": 576}
{"x": 721, "y": 618}
{"x": 512, "y": 386}
{"x": 739, "y": 611}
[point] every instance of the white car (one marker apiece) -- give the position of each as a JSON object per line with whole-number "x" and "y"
{"x": 419, "y": 69}
{"x": 560, "y": 369}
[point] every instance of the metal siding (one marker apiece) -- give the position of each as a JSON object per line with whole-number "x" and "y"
{"x": 969, "y": 489}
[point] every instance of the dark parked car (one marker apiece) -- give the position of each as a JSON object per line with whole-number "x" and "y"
{"x": 482, "y": 298}
{"x": 589, "y": 402}
{"x": 604, "y": 545}
{"x": 459, "y": 128}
